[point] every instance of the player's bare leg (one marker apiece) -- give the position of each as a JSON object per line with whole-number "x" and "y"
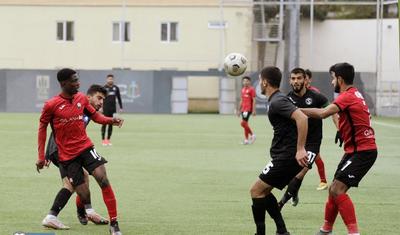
{"x": 83, "y": 217}
{"x": 100, "y": 175}
{"x": 292, "y": 189}
{"x": 264, "y": 200}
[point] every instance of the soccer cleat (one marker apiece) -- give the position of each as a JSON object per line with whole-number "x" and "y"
{"x": 83, "y": 219}
{"x": 323, "y": 232}
{"x": 97, "y": 219}
{"x": 322, "y": 186}
{"x": 295, "y": 200}
{"x": 114, "y": 228}
{"x": 252, "y": 139}
{"x": 51, "y": 221}
{"x": 104, "y": 142}
{"x": 245, "y": 142}
{"x": 109, "y": 143}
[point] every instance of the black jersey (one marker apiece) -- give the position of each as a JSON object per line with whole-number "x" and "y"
{"x": 311, "y": 99}
{"x": 110, "y": 104}
{"x": 284, "y": 142}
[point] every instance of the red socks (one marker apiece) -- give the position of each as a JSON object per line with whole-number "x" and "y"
{"x": 343, "y": 204}
{"x": 331, "y": 211}
{"x": 79, "y": 203}
{"x": 321, "y": 168}
{"x": 110, "y": 201}
{"x": 346, "y": 210}
{"x": 247, "y": 130}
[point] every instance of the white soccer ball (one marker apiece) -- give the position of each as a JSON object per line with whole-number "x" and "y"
{"x": 235, "y": 64}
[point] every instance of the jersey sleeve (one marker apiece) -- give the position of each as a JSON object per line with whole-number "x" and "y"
{"x": 283, "y": 107}
{"x": 44, "y": 121}
{"x": 88, "y": 108}
{"x": 342, "y": 101}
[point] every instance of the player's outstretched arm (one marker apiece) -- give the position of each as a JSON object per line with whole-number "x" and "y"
{"x": 302, "y": 128}
{"x": 321, "y": 113}
{"x": 101, "y": 119}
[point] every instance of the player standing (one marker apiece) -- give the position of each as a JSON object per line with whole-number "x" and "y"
{"x": 95, "y": 95}
{"x": 65, "y": 112}
{"x": 287, "y": 151}
{"x": 303, "y": 97}
{"x": 359, "y": 147}
{"x": 110, "y": 108}
{"x": 247, "y": 107}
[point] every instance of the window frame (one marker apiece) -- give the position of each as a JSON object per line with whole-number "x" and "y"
{"x": 64, "y": 36}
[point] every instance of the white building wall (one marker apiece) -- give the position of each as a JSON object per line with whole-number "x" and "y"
{"x": 28, "y": 37}
{"x": 354, "y": 41}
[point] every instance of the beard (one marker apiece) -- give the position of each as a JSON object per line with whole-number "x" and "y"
{"x": 337, "y": 88}
{"x": 298, "y": 89}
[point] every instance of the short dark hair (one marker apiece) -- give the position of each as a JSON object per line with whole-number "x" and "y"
{"x": 93, "y": 89}
{"x": 65, "y": 74}
{"x": 298, "y": 70}
{"x": 246, "y": 77}
{"x": 345, "y": 71}
{"x": 308, "y": 73}
{"x": 332, "y": 69}
{"x": 110, "y": 75}
{"x": 272, "y": 75}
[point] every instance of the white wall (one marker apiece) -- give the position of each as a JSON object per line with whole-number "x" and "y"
{"x": 28, "y": 37}
{"x": 354, "y": 41}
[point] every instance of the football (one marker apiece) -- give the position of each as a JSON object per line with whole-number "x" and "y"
{"x": 235, "y": 64}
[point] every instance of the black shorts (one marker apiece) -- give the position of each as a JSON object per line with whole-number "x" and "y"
{"x": 109, "y": 112}
{"x": 54, "y": 159}
{"x": 88, "y": 159}
{"x": 279, "y": 172}
{"x": 353, "y": 167}
{"x": 245, "y": 115}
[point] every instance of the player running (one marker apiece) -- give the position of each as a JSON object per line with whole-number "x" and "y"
{"x": 287, "y": 151}
{"x": 95, "y": 95}
{"x": 65, "y": 112}
{"x": 110, "y": 108}
{"x": 305, "y": 98}
{"x": 247, "y": 107}
{"x": 359, "y": 147}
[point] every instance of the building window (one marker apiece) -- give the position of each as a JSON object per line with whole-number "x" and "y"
{"x": 217, "y": 25}
{"x": 65, "y": 31}
{"x": 121, "y": 31}
{"x": 169, "y": 32}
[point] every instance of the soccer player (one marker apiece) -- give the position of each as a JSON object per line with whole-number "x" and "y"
{"x": 303, "y": 97}
{"x": 308, "y": 81}
{"x": 323, "y": 184}
{"x": 359, "y": 147}
{"x": 95, "y": 95}
{"x": 287, "y": 151}
{"x": 110, "y": 108}
{"x": 65, "y": 112}
{"x": 247, "y": 107}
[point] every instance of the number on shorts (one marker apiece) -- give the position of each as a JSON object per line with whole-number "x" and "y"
{"x": 311, "y": 157}
{"x": 346, "y": 165}
{"x": 95, "y": 154}
{"x": 267, "y": 168}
